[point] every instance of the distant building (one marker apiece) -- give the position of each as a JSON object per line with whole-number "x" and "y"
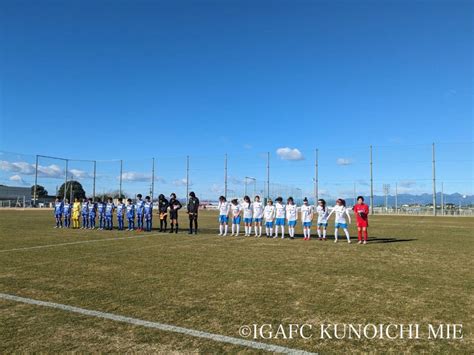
{"x": 14, "y": 196}
{"x": 14, "y": 193}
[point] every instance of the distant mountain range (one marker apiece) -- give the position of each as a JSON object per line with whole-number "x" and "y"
{"x": 403, "y": 199}
{"x": 423, "y": 199}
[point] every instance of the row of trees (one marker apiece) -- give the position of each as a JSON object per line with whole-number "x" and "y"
{"x": 73, "y": 188}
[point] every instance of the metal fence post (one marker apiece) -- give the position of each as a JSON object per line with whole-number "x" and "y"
{"x": 187, "y": 178}
{"x": 120, "y": 178}
{"x": 93, "y": 181}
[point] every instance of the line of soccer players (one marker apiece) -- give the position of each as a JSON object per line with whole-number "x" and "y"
{"x": 276, "y": 216}
{"x": 89, "y": 211}
{"x": 140, "y": 211}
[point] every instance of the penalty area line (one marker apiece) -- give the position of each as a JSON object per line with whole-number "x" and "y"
{"x": 79, "y": 242}
{"x": 155, "y": 325}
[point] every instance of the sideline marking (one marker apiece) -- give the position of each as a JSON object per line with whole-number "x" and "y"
{"x": 156, "y": 325}
{"x": 79, "y": 242}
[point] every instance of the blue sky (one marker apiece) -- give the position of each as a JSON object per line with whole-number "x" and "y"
{"x": 135, "y": 79}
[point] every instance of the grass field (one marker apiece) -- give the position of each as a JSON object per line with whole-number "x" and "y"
{"x": 414, "y": 270}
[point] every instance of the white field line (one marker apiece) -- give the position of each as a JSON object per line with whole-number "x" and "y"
{"x": 155, "y": 325}
{"x": 79, "y": 242}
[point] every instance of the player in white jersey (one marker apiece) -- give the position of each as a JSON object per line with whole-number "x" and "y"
{"x": 248, "y": 213}
{"x": 224, "y": 210}
{"x": 306, "y": 218}
{"x": 257, "y": 208}
{"x": 291, "y": 216}
{"x": 341, "y": 212}
{"x": 323, "y": 213}
{"x": 279, "y": 217}
{"x": 235, "y": 209}
{"x": 269, "y": 215}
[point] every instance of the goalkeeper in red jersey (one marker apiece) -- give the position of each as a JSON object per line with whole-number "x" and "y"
{"x": 361, "y": 211}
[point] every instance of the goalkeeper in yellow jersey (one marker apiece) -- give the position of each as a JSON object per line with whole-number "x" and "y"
{"x": 76, "y": 212}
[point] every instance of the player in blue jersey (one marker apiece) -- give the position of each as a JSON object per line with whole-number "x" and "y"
{"x": 58, "y": 212}
{"x": 139, "y": 210}
{"x": 148, "y": 212}
{"x": 109, "y": 214}
{"x": 130, "y": 214}
{"x": 92, "y": 211}
{"x": 67, "y": 209}
{"x": 85, "y": 213}
{"x": 120, "y": 212}
{"x": 101, "y": 213}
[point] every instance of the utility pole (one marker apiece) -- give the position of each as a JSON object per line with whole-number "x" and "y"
{"x": 187, "y": 178}
{"x": 316, "y": 182}
{"x": 152, "y": 178}
{"x": 371, "y": 184}
{"x": 35, "y": 196}
{"x": 268, "y": 175}
{"x": 93, "y": 183}
{"x": 65, "y": 181}
{"x": 120, "y": 178}
{"x": 225, "y": 176}
{"x": 434, "y": 180}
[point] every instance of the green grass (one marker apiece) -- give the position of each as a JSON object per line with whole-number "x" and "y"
{"x": 414, "y": 270}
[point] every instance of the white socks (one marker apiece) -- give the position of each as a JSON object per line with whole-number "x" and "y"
{"x": 223, "y": 229}
{"x": 282, "y": 231}
{"x": 347, "y": 235}
{"x": 291, "y": 231}
{"x": 324, "y": 233}
{"x": 258, "y": 231}
{"x": 335, "y": 235}
{"x": 319, "y": 233}
{"x": 248, "y": 231}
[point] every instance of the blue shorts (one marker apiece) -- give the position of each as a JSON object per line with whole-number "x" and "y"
{"x": 307, "y": 224}
{"x": 236, "y": 220}
{"x": 269, "y": 224}
{"x": 292, "y": 223}
{"x": 341, "y": 225}
{"x": 258, "y": 220}
{"x": 223, "y": 219}
{"x": 322, "y": 225}
{"x": 247, "y": 220}
{"x": 280, "y": 222}
{"x": 57, "y": 215}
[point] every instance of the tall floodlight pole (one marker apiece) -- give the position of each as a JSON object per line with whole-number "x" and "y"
{"x": 152, "y": 177}
{"x": 371, "y": 184}
{"x": 93, "y": 180}
{"x": 225, "y": 176}
{"x": 187, "y": 178}
{"x": 120, "y": 178}
{"x": 268, "y": 175}
{"x": 35, "y": 196}
{"x": 434, "y": 180}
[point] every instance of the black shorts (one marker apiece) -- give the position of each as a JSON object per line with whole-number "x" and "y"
{"x": 173, "y": 214}
{"x": 193, "y": 216}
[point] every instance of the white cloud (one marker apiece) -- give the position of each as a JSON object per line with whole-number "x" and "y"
{"x": 182, "y": 182}
{"x": 22, "y": 167}
{"x": 134, "y": 176}
{"x": 406, "y": 183}
{"x": 289, "y": 154}
{"x": 79, "y": 174}
{"x": 17, "y": 179}
{"x": 236, "y": 181}
{"x": 343, "y": 161}
{"x": 217, "y": 189}
{"x": 248, "y": 146}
